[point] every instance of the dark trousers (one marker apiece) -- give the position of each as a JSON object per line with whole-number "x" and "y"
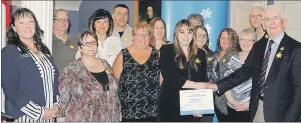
{"x": 221, "y": 117}
{"x": 149, "y": 119}
{"x": 238, "y": 116}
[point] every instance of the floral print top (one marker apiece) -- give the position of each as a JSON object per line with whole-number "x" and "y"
{"x": 139, "y": 86}
{"x": 83, "y": 98}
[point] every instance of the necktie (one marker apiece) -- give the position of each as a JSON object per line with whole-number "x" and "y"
{"x": 264, "y": 69}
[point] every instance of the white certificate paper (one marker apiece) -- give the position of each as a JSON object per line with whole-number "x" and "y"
{"x": 198, "y": 100}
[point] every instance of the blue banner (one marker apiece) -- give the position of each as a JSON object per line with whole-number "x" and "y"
{"x": 215, "y": 14}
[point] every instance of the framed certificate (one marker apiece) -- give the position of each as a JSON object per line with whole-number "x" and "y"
{"x": 198, "y": 100}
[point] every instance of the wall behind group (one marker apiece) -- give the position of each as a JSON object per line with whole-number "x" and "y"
{"x": 88, "y": 7}
{"x": 74, "y": 23}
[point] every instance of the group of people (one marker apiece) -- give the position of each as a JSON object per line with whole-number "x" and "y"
{"x": 113, "y": 72}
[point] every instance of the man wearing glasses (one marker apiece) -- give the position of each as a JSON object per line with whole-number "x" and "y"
{"x": 64, "y": 47}
{"x": 274, "y": 64}
{"x": 256, "y": 21}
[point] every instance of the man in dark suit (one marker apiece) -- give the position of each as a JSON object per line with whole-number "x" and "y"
{"x": 274, "y": 64}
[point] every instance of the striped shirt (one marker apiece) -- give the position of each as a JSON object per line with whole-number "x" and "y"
{"x": 242, "y": 92}
{"x": 33, "y": 111}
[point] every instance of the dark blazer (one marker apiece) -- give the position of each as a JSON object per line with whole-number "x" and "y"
{"x": 22, "y": 82}
{"x": 174, "y": 79}
{"x": 282, "y": 94}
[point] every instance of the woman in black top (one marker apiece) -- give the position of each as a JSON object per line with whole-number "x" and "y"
{"x": 137, "y": 69}
{"x": 182, "y": 65}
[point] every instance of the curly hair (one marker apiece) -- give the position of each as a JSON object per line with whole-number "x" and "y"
{"x": 12, "y": 37}
{"x": 233, "y": 37}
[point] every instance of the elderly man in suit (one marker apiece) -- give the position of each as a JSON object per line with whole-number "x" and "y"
{"x": 274, "y": 64}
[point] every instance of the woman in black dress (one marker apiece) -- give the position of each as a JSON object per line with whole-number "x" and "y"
{"x": 137, "y": 69}
{"x": 182, "y": 65}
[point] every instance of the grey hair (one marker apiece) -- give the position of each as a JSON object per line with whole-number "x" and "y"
{"x": 197, "y": 17}
{"x": 274, "y": 7}
{"x": 59, "y": 10}
{"x": 248, "y": 32}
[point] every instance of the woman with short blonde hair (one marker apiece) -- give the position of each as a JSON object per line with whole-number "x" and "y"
{"x": 137, "y": 69}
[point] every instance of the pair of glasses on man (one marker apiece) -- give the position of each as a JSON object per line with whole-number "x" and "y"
{"x": 62, "y": 20}
{"x": 89, "y": 43}
{"x": 274, "y": 19}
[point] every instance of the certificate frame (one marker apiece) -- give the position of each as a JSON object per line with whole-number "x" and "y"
{"x": 196, "y": 100}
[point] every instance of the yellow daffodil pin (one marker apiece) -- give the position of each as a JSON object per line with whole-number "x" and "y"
{"x": 224, "y": 60}
{"x": 71, "y": 46}
{"x": 279, "y": 54}
{"x": 209, "y": 59}
{"x": 107, "y": 71}
{"x": 125, "y": 39}
{"x": 198, "y": 61}
{"x": 266, "y": 36}
{"x": 113, "y": 47}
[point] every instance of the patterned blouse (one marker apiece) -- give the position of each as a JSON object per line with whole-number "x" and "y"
{"x": 217, "y": 73}
{"x": 83, "y": 98}
{"x": 240, "y": 93}
{"x": 139, "y": 86}
{"x": 47, "y": 72}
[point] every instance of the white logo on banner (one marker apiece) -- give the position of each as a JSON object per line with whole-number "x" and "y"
{"x": 206, "y": 13}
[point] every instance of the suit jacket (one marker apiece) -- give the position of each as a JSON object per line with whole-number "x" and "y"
{"x": 282, "y": 93}
{"x": 22, "y": 83}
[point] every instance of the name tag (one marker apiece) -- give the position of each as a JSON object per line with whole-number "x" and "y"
{"x": 25, "y": 55}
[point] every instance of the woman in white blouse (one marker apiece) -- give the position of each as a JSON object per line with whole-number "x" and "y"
{"x": 239, "y": 97}
{"x": 101, "y": 23}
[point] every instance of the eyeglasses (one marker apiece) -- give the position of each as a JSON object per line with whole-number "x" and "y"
{"x": 256, "y": 16}
{"x": 274, "y": 19}
{"x": 202, "y": 36}
{"x": 247, "y": 40}
{"x": 89, "y": 43}
{"x": 62, "y": 20}
{"x": 142, "y": 35}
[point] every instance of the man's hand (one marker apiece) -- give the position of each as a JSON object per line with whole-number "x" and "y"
{"x": 207, "y": 85}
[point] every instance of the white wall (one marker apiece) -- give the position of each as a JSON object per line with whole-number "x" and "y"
{"x": 239, "y": 13}
{"x": 3, "y": 16}
{"x": 292, "y": 11}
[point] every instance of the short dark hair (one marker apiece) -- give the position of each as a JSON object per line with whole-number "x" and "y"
{"x": 13, "y": 38}
{"x": 101, "y": 14}
{"x": 85, "y": 34}
{"x": 122, "y": 6}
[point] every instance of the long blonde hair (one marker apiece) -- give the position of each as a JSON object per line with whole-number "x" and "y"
{"x": 180, "y": 58}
